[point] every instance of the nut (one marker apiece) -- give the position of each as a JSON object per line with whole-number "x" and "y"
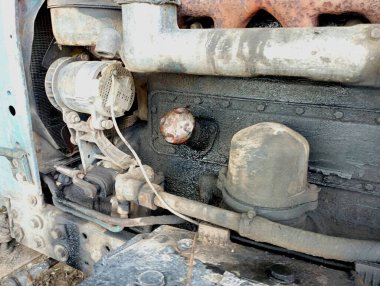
{"x": 107, "y": 124}
{"x": 61, "y": 252}
{"x": 185, "y": 244}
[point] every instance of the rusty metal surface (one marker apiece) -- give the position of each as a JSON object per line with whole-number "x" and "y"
{"x": 177, "y": 125}
{"x": 293, "y": 13}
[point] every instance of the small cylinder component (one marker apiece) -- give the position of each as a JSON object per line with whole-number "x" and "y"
{"x": 267, "y": 172}
{"x": 90, "y": 87}
{"x": 177, "y": 125}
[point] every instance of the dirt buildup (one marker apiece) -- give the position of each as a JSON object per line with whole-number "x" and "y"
{"x": 59, "y": 275}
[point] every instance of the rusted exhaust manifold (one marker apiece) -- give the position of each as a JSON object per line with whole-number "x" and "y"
{"x": 152, "y": 42}
{"x": 290, "y": 13}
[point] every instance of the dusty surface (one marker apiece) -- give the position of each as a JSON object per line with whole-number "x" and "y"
{"x": 59, "y": 275}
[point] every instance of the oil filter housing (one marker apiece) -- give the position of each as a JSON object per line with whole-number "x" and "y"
{"x": 267, "y": 173}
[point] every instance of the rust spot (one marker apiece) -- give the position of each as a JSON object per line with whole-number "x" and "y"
{"x": 290, "y": 13}
{"x": 177, "y": 125}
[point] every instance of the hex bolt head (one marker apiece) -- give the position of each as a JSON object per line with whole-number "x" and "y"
{"x": 261, "y": 107}
{"x": 375, "y": 33}
{"x": 282, "y": 273}
{"x": 73, "y": 117}
{"x": 151, "y": 278}
{"x": 107, "y": 124}
{"x": 185, "y": 244}
{"x": 61, "y": 252}
{"x": 338, "y": 114}
{"x": 300, "y": 110}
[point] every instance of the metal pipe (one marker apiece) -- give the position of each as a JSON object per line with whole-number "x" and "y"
{"x": 338, "y": 54}
{"x": 263, "y": 230}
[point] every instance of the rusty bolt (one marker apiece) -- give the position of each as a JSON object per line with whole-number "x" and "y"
{"x": 300, "y": 110}
{"x": 61, "y": 252}
{"x": 177, "y": 125}
{"x": 151, "y": 278}
{"x": 185, "y": 244}
{"x": 338, "y": 114}
{"x": 107, "y": 124}
{"x": 375, "y": 33}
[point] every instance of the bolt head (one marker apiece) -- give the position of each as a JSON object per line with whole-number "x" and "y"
{"x": 338, "y": 114}
{"x": 33, "y": 200}
{"x": 300, "y": 110}
{"x": 39, "y": 242}
{"x": 375, "y": 33}
{"x": 185, "y": 244}
{"x": 107, "y": 124}
{"x": 61, "y": 252}
{"x": 20, "y": 177}
{"x": 151, "y": 278}
{"x": 57, "y": 234}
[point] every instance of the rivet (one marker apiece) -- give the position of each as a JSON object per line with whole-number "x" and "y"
{"x": 338, "y": 114}
{"x": 300, "y": 110}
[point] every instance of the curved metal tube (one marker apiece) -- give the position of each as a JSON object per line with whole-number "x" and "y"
{"x": 264, "y": 230}
{"x": 338, "y": 54}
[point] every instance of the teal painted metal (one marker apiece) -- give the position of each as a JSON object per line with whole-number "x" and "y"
{"x": 15, "y": 114}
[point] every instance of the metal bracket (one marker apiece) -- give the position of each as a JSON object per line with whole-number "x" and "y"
{"x": 213, "y": 235}
{"x": 19, "y": 163}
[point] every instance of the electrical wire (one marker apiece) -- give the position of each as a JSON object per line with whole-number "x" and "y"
{"x": 137, "y": 158}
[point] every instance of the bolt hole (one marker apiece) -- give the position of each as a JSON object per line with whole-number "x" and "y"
{"x": 84, "y": 235}
{"x": 12, "y": 110}
{"x": 88, "y": 156}
{"x": 86, "y": 263}
{"x": 108, "y": 248}
{"x": 9, "y": 92}
{"x": 11, "y": 36}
